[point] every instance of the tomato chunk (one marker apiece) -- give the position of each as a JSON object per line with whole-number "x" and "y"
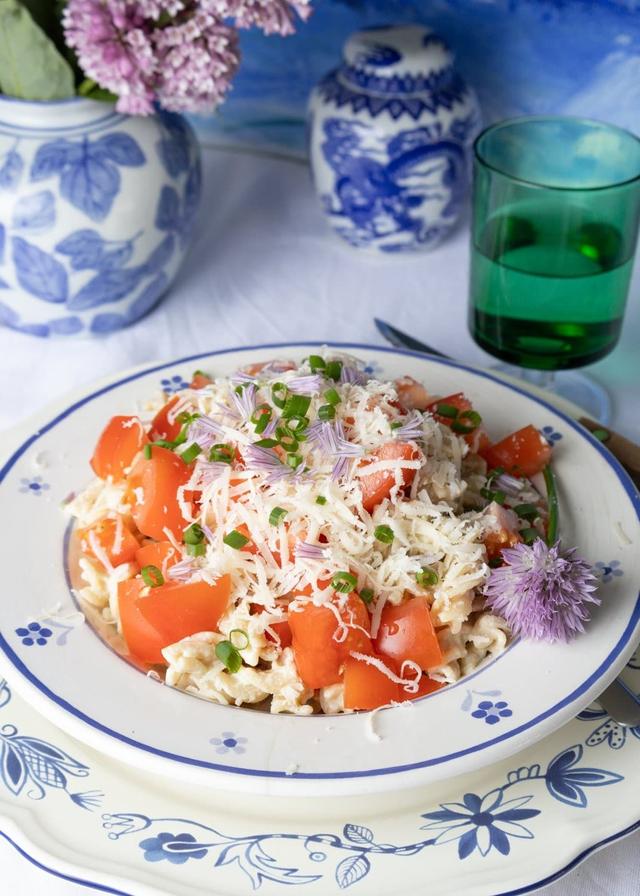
{"x": 161, "y": 425}
{"x": 319, "y": 657}
{"x": 200, "y": 380}
{"x": 523, "y": 453}
{"x": 155, "y": 482}
{"x": 111, "y": 536}
{"x": 427, "y": 686}
{"x": 366, "y": 687}
{"x": 458, "y": 400}
{"x": 161, "y": 554}
{"x": 406, "y": 633}
{"x": 142, "y": 639}
{"x": 120, "y": 441}
{"x": 412, "y": 394}
{"x": 377, "y": 486}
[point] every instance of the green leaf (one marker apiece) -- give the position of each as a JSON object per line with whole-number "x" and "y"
{"x": 31, "y": 68}
{"x": 93, "y": 91}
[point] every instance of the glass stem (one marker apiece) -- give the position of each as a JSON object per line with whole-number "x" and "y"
{"x": 543, "y": 379}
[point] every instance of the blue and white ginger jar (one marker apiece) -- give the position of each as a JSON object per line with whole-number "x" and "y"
{"x": 96, "y": 209}
{"x": 391, "y": 131}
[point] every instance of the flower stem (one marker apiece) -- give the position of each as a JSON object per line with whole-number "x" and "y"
{"x": 552, "y": 503}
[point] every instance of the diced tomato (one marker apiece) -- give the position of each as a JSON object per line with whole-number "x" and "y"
{"x": 412, "y": 394}
{"x": 459, "y": 401}
{"x": 249, "y": 547}
{"x": 200, "y": 380}
{"x": 160, "y": 554}
{"x": 377, "y": 486}
{"x": 156, "y": 507}
{"x": 406, "y": 632}
{"x": 318, "y": 655}
{"x": 283, "y": 631}
{"x": 478, "y": 440}
{"x": 161, "y": 425}
{"x": 427, "y": 686}
{"x": 523, "y": 453}
{"x": 114, "y": 537}
{"x": 120, "y": 441}
{"x": 168, "y": 613}
{"x": 281, "y": 366}
{"x": 366, "y": 687}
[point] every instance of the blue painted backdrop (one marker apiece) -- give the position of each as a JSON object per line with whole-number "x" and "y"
{"x": 579, "y": 57}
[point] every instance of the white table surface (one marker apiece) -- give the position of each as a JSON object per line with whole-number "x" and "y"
{"x": 264, "y": 268}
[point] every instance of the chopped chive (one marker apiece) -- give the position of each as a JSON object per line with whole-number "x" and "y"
{"x": 396, "y": 425}
{"x": 196, "y": 550}
{"x": 527, "y": 511}
{"x": 427, "y": 577}
{"x": 529, "y": 535}
{"x": 147, "y": 452}
{"x": 383, "y": 534}
{"x": 191, "y": 453}
{"x": 333, "y": 370}
{"x": 279, "y": 395}
{"x": 344, "y": 582}
{"x": 297, "y": 425}
{"x": 447, "y": 410}
{"x": 266, "y": 443}
{"x": 235, "y": 539}
{"x": 222, "y": 453}
{"x": 552, "y": 505}
{"x": 152, "y": 576}
{"x": 321, "y": 499}
{"x": 602, "y": 435}
{"x": 277, "y": 515}
{"x": 261, "y": 416}
{"x": 332, "y": 397}
{"x": 366, "y": 595}
{"x": 466, "y": 422}
{"x": 193, "y": 534}
{"x": 239, "y": 389}
{"x": 244, "y": 640}
{"x": 294, "y": 460}
{"x": 326, "y": 412}
{"x": 286, "y": 438}
{"x": 316, "y": 363}
{"x": 229, "y": 656}
{"x": 199, "y": 373}
{"x": 296, "y": 406}
{"x": 494, "y": 494}
{"x": 495, "y": 562}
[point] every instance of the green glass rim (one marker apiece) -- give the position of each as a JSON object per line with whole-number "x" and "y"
{"x": 478, "y": 157}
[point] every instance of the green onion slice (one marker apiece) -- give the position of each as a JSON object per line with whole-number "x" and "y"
{"x": 196, "y": 550}
{"x": 286, "y": 438}
{"x": 241, "y": 636}
{"x": 235, "y": 539}
{"x": 466, "y": 422}
{"x": 366, "y": 595}
{"x": 222, "y": 453}
{"x": 277, "y": 515}
{"x": 321, "y": 499}
{"x": 333, "y": 370}
{"x": 383, "y": 534}
{"x": 344, "y": 582}
{"x": 447, "y": 410}
{"x": 296, "y": 406}
{"x": 294, "y": 460}
{"x": 427, "y": 577}
{"x": 494, "y": 494}
{"x": 602, "y": 435}
{"x": 326, "y": 412}
{"x": 191, "y": 453}
{"x": 193, "y": 534}
{"x": 527, "y": 511}
{"x": 279, "y": 394}
{"x": 229, "y": 656}
{"x": 152, "y": 576}
{"x": 147, "y": 452}
{"x": 552, "y": 504}
{"x": 297, "y": 425}
{"x": 261, "y": 416}
{"x": 331, "y": 397}
{"x": 266, "y": 443}
{"x": 396, "y": 425}
{"x": 530, "y": 535}
{"x": 316, "y": 363}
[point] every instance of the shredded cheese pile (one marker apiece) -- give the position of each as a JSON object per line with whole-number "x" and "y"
{"x": 434, "y": 522}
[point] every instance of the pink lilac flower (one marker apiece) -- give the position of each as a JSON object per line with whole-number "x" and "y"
{"x": 542, "y": 591}
{"x": 272, "y": 16}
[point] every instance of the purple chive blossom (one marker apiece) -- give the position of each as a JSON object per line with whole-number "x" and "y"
{"x": 542, "y": 592}
{"x": 208, "y": 533}
{"x": 270, "y": 428}
{"x": 305, "y": 551}
{"x": 183, "y": 571}
{"x": 305, "y": 385}
{"x": 411, "y": 429}
{"x": 245, "y": 401}
{"x": 510, "y": 484}
{"x": 330, "y": 439}
{"x": 353, "y": 375}
{"x": 264, "y": 460}
{"x": 205, "y": 431}
{"x": 241, "y": 378}
{"x": 208, "y": 471}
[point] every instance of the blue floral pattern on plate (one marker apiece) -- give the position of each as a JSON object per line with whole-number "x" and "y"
{"x": 34, "y": 634}
{"x": 33, "y": 486}
{"x": 551, "y": 435}
{"x": 608, "y": 571}
{"x": 490, "y": 711}
{"x": 229, "y": 742}
{"x": 173, "y": 384}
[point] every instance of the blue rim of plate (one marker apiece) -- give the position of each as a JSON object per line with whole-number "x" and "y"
{"x": 526, "y": 888}
{"x": 619, "y": 647}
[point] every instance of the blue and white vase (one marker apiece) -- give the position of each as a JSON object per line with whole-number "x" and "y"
{"x": 96, "y": 209}
{"x": 391, "y": 131}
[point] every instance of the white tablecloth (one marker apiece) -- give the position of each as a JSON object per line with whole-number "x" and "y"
{"x": 264, "y": 268}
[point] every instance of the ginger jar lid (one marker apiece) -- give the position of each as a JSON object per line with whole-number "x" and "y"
{"x": 408, "y": 56}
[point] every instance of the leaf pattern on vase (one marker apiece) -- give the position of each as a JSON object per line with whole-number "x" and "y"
{"x": 88, "y": 170}
{"x": 39, "y": 273}
{"x": 88, "y": 250}
{"x": 11, "y": 168}
{"x": 34, "y": 213}
{"x": 174, "y": 145}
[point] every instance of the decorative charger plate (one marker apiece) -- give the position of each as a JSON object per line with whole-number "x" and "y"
{"x": 65, "y": 672}
{"x": 505, "y": 831}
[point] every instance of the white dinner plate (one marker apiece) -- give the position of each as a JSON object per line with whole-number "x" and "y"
{"x": 66, "y": 673}
{"x": 505, "y": 831}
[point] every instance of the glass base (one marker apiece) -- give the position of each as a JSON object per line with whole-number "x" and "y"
{"x": 572, "y": 385}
